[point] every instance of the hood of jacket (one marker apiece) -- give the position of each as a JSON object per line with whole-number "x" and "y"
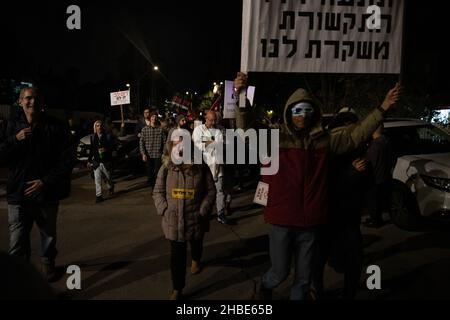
{"x": 301, "y": 95}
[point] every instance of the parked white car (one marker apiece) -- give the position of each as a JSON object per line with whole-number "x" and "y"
{"x": 422, "y": 173}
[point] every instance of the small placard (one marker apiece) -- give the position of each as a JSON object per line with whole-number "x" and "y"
{"x": 183, "y": 194}
{"x": 262, "y": 194}
{"x": 120, "y": 98}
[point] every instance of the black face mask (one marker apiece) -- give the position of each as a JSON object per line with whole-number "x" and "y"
{"x": 185, "y": 126}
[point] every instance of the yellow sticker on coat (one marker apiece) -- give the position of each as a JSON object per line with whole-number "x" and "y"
{"x": 185, "y": 194}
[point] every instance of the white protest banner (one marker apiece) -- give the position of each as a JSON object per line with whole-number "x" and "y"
{"x": 120, "y": 98}
{"x": 324, "y": 36}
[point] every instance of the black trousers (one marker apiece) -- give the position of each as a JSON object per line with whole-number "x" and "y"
{"x": 153, "y": 165}
{"x": 351, "y": 254}
{"x": 178, "y": 256}
{"x": 342, "y": 247}
{"x": 376, "y": 198}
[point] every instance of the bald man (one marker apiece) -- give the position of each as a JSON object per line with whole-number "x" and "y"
{"x": 204, "y": 137}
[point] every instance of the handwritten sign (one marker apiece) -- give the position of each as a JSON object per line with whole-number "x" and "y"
{"x": 120, "y": 98}
{"x": 261, "y": 194}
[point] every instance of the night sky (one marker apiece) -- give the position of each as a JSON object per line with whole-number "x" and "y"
{"x": 193, "y": 42}
{"x": 179, "y": 36}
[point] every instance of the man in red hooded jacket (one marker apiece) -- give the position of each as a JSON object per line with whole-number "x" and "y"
{"x": 297, "y": 197}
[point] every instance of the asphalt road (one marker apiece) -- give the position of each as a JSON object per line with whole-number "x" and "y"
{"x": 120, "y": 249}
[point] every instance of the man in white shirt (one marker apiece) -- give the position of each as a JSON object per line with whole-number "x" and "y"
{"x": 205, "y": 138}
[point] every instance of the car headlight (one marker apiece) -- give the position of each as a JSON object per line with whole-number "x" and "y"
{"x": 442, "y": 184}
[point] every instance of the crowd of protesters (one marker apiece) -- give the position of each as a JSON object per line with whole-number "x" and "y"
{"x": 312, "y": 218}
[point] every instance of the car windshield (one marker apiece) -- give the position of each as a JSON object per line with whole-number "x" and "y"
{"x": 129, "y": 127}
{"x": 425, "y": 139}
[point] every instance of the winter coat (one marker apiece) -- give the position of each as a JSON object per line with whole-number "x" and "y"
{"x": 347, "y": 189}
{"x": 382, "y": 160}
{"x": 49, "y": 154}
{"x": 184, "y": 196}
{"x": 107, "y": 142}
{"x": 298, "y": 193}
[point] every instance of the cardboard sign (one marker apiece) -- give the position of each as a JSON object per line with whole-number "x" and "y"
{"x": 261, "y": 194}
{"x": 120, "y": 98}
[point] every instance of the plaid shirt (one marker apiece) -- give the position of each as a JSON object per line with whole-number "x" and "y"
{"x": 152, "y": 141}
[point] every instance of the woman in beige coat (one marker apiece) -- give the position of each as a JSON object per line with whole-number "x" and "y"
{"x": 184, "y": 195}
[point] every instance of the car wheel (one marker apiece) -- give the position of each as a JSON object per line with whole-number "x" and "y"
{"x": 404, "y": 211}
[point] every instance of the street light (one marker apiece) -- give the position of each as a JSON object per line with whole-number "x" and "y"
{"x": 152, "y": 89}
{"x": 128, "y": 85}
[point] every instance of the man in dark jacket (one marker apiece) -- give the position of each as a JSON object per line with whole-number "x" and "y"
{"x": 382, "y": 160}
{"x": 340, "y": 242}
{"x": 40, "y": 154}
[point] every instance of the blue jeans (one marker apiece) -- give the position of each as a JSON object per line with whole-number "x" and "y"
{"x": 220, "y": 195}
{"x": 102, "y": 173}
{"x": 286, "y": 242}
{"x": 21, "y": 219}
